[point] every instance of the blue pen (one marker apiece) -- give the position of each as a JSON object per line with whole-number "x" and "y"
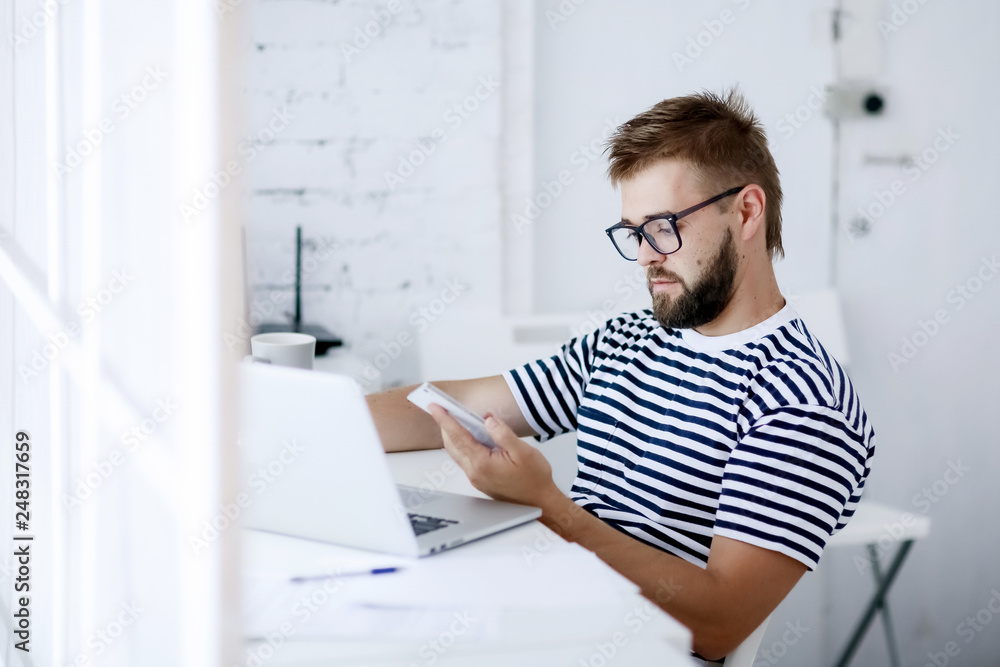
{"x": 363, "y": 573}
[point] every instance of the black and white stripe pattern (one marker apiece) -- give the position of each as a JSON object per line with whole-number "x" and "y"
{"x": 758, "y": 436}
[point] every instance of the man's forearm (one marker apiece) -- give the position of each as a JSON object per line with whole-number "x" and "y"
{"x": 693, "y": 596}
{"x": 401, "y": 425}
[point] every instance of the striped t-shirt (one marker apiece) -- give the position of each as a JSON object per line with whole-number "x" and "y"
{"x": 758, "y": 436}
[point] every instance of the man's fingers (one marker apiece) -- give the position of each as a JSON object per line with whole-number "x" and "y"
{"x": 461, "y": 441}
{"x": 495, "y": 426}
{"x": 502, "y": 434}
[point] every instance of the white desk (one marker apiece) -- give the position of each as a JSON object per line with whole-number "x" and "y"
{"x": 528, "y": 636}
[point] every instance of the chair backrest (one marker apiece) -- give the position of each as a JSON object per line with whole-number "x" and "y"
{"x": 823, "y": 315}
{"x": 744, "y": 654}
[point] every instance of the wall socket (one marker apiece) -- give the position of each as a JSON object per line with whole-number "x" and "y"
{"x": 855, "y": 100}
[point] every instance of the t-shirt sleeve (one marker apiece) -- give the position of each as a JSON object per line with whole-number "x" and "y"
{"x": 794, "y": 480}
{"x": 548, "y": 391}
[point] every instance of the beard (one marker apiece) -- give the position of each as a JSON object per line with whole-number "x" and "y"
{"x": 706, "y": 299}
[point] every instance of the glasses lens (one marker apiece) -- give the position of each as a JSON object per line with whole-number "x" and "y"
{"x": 627, "y": 239}
{"x": 665, "y": 239}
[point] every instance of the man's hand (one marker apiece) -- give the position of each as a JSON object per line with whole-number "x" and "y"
{"x": 516, "y": 472}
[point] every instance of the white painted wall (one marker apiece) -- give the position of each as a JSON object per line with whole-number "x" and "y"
{"x": 608, "y": 61}
{"x": 361, "y": 113}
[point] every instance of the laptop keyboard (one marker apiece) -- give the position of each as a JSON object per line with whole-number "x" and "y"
{"x": 425, "y": 524}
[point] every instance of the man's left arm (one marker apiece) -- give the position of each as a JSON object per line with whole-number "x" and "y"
{"x": 721, "y": 604}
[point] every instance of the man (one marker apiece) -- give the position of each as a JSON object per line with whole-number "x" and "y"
{"x": 719, "y": 444}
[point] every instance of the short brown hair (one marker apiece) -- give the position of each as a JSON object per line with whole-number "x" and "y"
{"x": 719, "y": 136}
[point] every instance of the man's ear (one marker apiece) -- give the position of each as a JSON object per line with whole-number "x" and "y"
{"x": 750, "y": 206}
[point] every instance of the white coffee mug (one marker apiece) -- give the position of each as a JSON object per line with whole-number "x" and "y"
{"x": 284, "y": 348}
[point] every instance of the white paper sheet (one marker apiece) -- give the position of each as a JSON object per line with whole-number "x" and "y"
{"x": 274, "y": 605}
{"x": 561, "y": 578}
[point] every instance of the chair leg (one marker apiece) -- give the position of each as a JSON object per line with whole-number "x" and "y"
{"x": 890, "y": 634}
{"x": 877, "y": 599}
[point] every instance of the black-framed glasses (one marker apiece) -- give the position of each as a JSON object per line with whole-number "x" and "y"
{"x": 661, "y": 232}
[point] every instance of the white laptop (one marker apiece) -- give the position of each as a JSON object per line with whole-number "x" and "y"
{"x": 314, "y": 467}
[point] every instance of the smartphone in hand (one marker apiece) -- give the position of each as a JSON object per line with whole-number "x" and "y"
{"x": 427, "y": 393}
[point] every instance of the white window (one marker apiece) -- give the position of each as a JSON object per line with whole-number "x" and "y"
{"x": 114, "y": 303}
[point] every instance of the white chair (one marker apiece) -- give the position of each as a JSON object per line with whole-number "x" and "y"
{"x": 744, "y": 654}
{"x": 879, "y": 527}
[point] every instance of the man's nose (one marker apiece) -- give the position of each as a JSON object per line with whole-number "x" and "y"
{"x": 648, "y": 256}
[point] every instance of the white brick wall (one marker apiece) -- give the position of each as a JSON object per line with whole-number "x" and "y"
{"x": 357, "y": 113}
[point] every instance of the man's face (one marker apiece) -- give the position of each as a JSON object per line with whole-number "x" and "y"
{"x": 692, "y": 286}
